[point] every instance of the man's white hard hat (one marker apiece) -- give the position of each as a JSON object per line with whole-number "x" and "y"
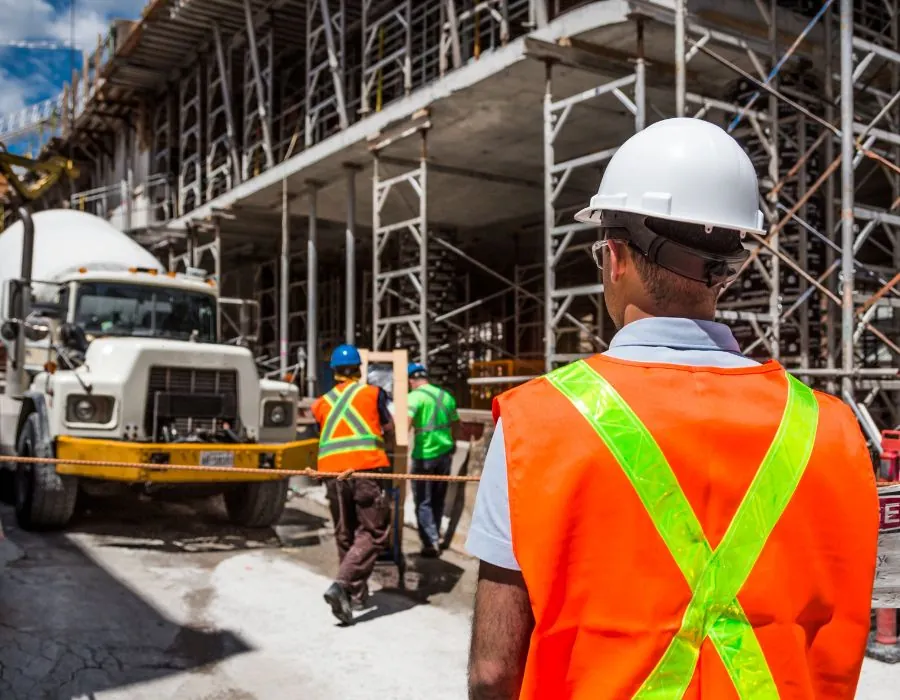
{"x": 681, "y": 169}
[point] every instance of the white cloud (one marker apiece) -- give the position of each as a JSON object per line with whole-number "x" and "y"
{"x": 40, "y": 20}
{"x": 13, "y": 94}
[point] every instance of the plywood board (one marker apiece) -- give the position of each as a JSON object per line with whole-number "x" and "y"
{"x": 886, "y": 593}
{"x": 398, "y": 360}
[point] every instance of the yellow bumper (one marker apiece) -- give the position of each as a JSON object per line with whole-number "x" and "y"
{"x": 272, "y": 457}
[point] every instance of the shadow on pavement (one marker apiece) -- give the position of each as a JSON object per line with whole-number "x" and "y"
{"x": 69, "y": 629}
{"x": 176, "y": 522}
{"x": 424, "y": 578}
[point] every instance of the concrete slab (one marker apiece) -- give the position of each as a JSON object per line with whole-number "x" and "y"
{"x": 487, "y": 120}
{"x": 878, "y": 681}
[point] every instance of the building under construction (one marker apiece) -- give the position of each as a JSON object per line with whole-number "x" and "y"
{"x": 403, "y": 173}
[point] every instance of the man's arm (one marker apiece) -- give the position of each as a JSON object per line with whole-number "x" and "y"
{"x": 314, "y": 411}
{"x": 501, "y": 631}
{"x": 413, "y": 402}
{"x": 453, "y": 414}
{"x": 503, "y": 622}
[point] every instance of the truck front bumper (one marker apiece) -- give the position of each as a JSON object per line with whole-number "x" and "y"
{"x": 266, "y": 459}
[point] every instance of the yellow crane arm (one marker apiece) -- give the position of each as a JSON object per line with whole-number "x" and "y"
{"x": 50, "y": 169}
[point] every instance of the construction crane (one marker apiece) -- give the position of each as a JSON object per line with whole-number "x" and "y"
{"x": 49, "y": 170}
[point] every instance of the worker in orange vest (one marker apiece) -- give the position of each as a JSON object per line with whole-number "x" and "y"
{"x": 670, "y": 518}
{"x": 353, "y": 420}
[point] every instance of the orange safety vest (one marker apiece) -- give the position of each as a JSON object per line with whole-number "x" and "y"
{"x": 728, "y": 551}
{"x": 350, "y": 436}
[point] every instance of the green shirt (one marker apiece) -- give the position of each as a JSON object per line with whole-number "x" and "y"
{"x": 433, "y": 410}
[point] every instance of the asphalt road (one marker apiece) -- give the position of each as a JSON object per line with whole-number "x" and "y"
{"x": 146, "y": 599}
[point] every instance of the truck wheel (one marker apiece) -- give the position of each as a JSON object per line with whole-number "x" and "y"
{"x": 44, "y": 499}
{"x": 8, "y": 485}
{"x": 256, "y": 504}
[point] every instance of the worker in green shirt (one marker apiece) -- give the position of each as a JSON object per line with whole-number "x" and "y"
{"x": 433, "y": 416}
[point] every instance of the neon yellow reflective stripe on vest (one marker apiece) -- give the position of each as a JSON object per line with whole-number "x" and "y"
{"x": 715, "y": 576}
{"x": 343, "y": 411}
{"x": 439, "y": 418}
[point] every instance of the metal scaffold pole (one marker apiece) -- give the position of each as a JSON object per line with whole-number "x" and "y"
{"x": 680, "y": 67}
{"x": 350, "y": 258}
{"x": 564, "y": 236}
{"x": 774, "y": 175}
{"x": 284, "y": 280}
{"x": 549, "y": 221}
{"x": 847, "y": 153}
{"x": 312, "y": 296}
{"x": 262, "y": 101}
{"x": 831, "y": 315}
{"x": 423, "y": 248}
{"x": 400, "y": 248}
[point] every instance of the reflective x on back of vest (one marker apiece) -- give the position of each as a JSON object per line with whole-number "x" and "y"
{"x": 715, "y": 576}
{"x": 440, "y": 416}
{"x": 361, "y": 437}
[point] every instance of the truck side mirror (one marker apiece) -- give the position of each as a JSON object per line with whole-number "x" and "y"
{"x": 9, "y": 331}
{"x": 37, "y": 329}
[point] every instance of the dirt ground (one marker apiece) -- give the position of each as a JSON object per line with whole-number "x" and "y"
{"x": 152, "y": 598}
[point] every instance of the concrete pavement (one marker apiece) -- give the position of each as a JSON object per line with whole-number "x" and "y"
{"x": 143, "y": 600}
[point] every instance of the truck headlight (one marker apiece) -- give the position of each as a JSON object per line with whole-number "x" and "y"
{"x": 81, "y": 408}
{"x": 278, "y": 414}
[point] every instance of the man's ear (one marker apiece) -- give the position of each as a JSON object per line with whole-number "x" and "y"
{"x": 618, "y": 259}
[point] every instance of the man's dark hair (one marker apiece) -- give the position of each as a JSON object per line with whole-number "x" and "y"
{"x": 350, "y": 371}
{"x": 666, "y": 287}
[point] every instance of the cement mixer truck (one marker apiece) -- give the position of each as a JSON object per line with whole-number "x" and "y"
{"x": 112, "y": 358}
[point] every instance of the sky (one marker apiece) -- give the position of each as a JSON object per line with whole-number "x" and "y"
{"x": 28, "y": 76}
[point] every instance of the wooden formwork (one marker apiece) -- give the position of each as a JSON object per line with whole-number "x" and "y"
{"x": 398, "y": 360}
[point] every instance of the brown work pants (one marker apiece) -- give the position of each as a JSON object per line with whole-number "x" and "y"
{"x": 362, "y": 527}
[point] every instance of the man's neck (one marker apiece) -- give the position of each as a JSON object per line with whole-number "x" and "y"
{"x": 634, "y": 313}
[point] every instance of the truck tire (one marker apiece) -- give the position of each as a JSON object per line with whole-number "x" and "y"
{"x": 43, "y": 499}
{"x": 8, "y": 485}
{"x": 257, "y": 503}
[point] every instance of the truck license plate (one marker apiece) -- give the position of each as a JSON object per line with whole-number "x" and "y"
{"x": 217, "y": 459}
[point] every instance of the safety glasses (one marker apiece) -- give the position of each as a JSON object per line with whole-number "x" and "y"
{"x": 597, "y": 251}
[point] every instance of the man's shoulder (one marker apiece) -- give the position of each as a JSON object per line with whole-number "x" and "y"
{"x": 371, "y": 391}
{"x": 834, "y": 411}
{"x": 446, "y": 394}
{"x": 829, "y": 403}
{"x": 380, "y": 392}
{"x": 523, "y": 393}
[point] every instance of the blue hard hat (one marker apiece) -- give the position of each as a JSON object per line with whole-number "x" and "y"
{"x": 345, "y": 356}
{"x": 416, "y": 369}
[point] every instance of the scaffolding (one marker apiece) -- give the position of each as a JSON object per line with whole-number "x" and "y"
{"x": 563, "y": 236}
{"x": 276, "y": 111}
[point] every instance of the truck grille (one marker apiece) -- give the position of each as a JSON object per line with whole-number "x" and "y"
{"x": 187, "y": 382}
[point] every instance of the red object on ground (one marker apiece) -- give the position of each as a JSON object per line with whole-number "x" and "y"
{"x": 886, "y": 625}
{"x": 890, "y": 455}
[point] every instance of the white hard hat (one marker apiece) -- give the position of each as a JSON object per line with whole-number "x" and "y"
{"x": 686, "y": 170}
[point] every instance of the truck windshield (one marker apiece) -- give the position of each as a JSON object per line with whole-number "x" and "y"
{"x": 112, "y": 308}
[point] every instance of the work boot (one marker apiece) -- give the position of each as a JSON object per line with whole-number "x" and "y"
{"x": 361, "y": 601}
{"x": 339, "y": 601}
{"x": 431, "y": 552}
